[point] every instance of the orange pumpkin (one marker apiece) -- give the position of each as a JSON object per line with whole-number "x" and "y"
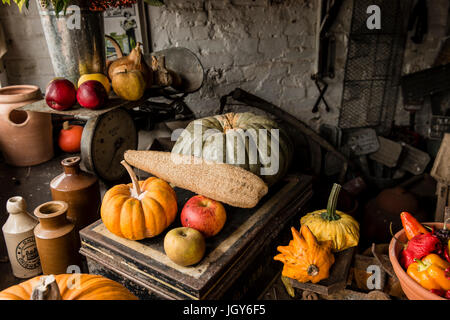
{"x": 69, "y": 139}
{"x": 91, "y": 287}
{"x": 139, "y": 210}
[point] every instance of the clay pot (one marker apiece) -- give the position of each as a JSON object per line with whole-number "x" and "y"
{"x": 411, "y": 288}
{"x": 55, "y": 238}
{"x": 80, "y": 190}
{"x": 25, "y": 137}
{"x": 20, "y": 241}
{"x": 386, "y": 208}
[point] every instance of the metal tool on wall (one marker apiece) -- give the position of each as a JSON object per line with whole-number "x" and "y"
{"x": 327, "y": 12}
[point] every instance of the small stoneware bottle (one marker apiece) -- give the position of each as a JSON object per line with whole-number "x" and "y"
{"x": 20, "y": 241}
{"x": 80, "y": 190}
{"x": 56, "y": 238}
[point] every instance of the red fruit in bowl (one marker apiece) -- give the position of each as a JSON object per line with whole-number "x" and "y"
{"x": 203, "y": 214}
{"x": 60, "y": 94}
{"x": 92, "y": 94}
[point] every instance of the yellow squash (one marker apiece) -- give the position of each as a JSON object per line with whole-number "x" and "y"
{"x": 305, "y": 259}
{"x": 330, "y": 224}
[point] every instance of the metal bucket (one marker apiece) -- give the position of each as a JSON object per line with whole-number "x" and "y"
{"x": 75, "y": 40}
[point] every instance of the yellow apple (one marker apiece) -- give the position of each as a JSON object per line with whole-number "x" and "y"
{"x": 184, "y": 246}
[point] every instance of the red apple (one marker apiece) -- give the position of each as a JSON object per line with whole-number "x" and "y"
{"x": 92, "y": 94}
{"x": 203, "y": 214}
{"x": 60, "y": 94}
{"x": 184, "y": 246}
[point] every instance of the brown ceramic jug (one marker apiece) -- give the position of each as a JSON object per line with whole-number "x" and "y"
{"x": 25, "y": 137}
{"x": 80, "y": 190}
{"x": 56, "y": 239}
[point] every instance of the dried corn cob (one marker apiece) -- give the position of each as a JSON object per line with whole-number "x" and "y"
{"x": 222, "y": 182}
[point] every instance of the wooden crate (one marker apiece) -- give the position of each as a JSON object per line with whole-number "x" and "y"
{"x": 236, "y": 258}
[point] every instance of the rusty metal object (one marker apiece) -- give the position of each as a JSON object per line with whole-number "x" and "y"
{"x": 309, "y": 295}
{"x": 83, "y": 113}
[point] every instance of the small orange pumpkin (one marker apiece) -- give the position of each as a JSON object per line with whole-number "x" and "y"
{"x": 69, "y": 139}
{"x": 305, "y": 259}
{"x": 142, "y": 209}
{"x": 91, "y": 287}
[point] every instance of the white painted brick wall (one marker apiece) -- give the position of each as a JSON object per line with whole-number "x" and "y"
{"x": 265, "y": 47}
{"x": 27, "y": 60}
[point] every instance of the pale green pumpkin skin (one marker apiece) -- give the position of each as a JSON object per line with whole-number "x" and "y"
{"x": 212, "y": 144}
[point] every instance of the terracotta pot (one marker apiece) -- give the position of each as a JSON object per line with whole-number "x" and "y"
{"x": 80, "y": 190}
{"x": 411, "y": 288}
{"x": 384, "y": 209}
{"x": 25, "y": 137}
{"x": 55, "y": 238}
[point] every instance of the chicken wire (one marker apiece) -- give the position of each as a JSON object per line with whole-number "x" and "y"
{"x": 373, "y": 66}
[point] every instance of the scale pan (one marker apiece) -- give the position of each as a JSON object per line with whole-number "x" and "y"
{"x": 185, "y": 63}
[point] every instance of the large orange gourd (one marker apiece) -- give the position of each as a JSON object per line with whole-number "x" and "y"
{"x": 91, "y": 287}
{"x": 142, "y": 209}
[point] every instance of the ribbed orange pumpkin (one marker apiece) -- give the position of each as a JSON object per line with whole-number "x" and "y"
{"x": 139, "y": 210}
{"x": 92, "y": 287}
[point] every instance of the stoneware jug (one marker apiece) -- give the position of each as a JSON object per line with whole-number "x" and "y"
{"x": 20, "y": 241}
{"x": 56, "y": 238}
{"x": 80, "y": 190}
{"x": 25, "y": 137}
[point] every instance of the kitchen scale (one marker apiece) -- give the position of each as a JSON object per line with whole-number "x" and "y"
{"x": 112, "y": 130}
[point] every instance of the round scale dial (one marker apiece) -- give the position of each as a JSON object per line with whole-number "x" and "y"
{"x": 104, "y": 141}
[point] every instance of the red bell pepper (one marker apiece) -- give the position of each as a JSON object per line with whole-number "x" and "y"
{"x": 418, "y": 247}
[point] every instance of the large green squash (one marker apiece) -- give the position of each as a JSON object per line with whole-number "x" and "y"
{"x": 253, "y": 142}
